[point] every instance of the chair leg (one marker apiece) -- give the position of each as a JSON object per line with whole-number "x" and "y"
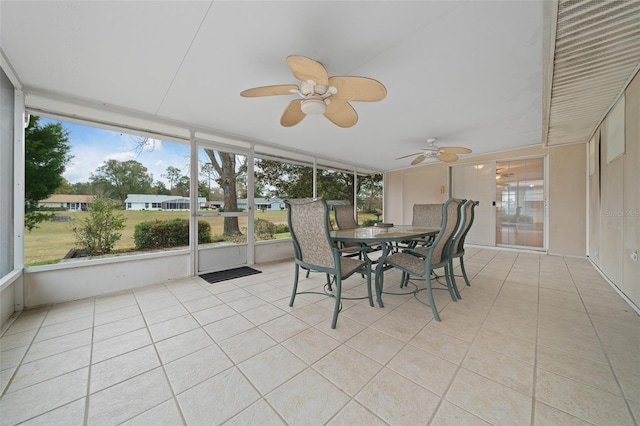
{"x": 451, "y": 281}
{"x": 336, "y": 309}
{"x": 403, "y": 280}
{"x": 295, "y": 284}
{"x": 329, "y": 282}
{"x": 464, "y": 273}
{"x": 308, "y": 273}
{"x": 432, "y": 302}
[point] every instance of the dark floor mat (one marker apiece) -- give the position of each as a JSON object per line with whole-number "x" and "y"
{"x": 229, "y": 274}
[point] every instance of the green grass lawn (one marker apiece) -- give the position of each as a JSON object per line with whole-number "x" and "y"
{"x": 52, "y": 240}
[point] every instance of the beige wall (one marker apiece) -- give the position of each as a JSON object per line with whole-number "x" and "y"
{"x": 566, "y": 192}
{"x": 567, "y": 188}
{"x": 614, "y": 203}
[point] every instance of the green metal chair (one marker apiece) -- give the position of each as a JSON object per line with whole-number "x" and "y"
{"x": 436, "y": 255}
{"x": 315, "y": 251}
{"x": 345, "y": 219}
{"x": 457, "y": 251}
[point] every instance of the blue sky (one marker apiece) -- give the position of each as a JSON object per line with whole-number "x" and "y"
{"x": 91, "y": 147}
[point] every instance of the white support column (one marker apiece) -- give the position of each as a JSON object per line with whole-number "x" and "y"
{"x": 315, "y": 178}
{"x": 19, "y": 194}
{"x": 355, "y": 194}
{"x": 193, "y": 205}
{"x": 250, "y": 210}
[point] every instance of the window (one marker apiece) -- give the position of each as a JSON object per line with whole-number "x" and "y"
{"x": 150, "y": 172}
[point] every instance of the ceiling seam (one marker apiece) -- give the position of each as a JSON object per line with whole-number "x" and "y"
{"x": 184, "y": 57}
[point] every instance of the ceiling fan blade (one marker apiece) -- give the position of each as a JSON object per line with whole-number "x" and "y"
{"x": 293, "y": 114}
{"x": 410, "y": 155}
{"x": 307, "y": 69}
{"x": 419, "y": 159}
{"x": 357, "y": 89}
{"x": 455, "y": 150}
{"x": 341, "y": 114}
{"x": 447, "y": 157}
{"x": 282, "y": 89}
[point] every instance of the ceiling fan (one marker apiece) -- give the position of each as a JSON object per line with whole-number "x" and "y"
{"x": 321, "y": 94}
{"x": 447, "y": 154}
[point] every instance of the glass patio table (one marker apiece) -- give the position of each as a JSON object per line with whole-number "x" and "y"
{"x": 385, "y": 235}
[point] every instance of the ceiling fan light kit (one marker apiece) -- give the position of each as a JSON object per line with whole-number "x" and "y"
{"x": 321, "y": 94}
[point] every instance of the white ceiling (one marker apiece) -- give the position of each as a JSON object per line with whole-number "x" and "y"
{"x": 466, "y": 72}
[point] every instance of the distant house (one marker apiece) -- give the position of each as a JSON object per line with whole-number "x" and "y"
{"x": 262, "y": 204}
{"x": 70, "y": 202}
{"x": 160, "y": 202}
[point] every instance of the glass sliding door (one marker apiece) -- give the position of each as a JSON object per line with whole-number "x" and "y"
{"x": 520, "y": 203}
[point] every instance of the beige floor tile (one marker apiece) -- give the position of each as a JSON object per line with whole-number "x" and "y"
{"x": 355, "y": 414}
{"x": 348, "y": 369}
{"x": 489, "y": 400}
{"x": 12, "y": 357}
{"x": 258, "y": 414}
{"x": 215, "y": 313}
{"x": 592, "y": 373}
{"x": 217, "y": 399}
{"x": 501, "y": 368}
{"x": 397, "y": 400}
{"x": 128, "y": 399}
{"x": 376, "y": 345}
{"x": 228, "y": 327}
{"x": 310, "y": 345}
{"x": 164, "y": 314}
{"x": 63, "y": 328}
{"x": 271, "y": 368}
{"x": 196, "y": 367}
{"x": 164, "y": 414}
{"x": 346, "y": 329}
{"x": 460, "y": 328}
{"x": 312, "y": 314}
{"x": 308, "y": 398}
{"x": 443, "y": 345}
{"x": 47, "y": 368}
{"x": 582, "y": 401}
{"x": 263, "y": 313}
{"x": 587, "y": 348}
{"x": 172, "y": 327}
{"x": 182, "y": 345}
{"x": 196, "y": 296}
{"x": 245, "y": 345}
{"x": 449, "y": 414}
{"x": 423, "y": 368}
{"x": 117, "y": 328}
{"x": 119, "y": 345}
{"x": 562, "y": 328}
{"x": 70, "y": 414}
{"x": 42, "y": 397}
{"x": 207, "y": 300}
{"x": 505, "y": 344}
{"x": 546, "y": 415}
{"x": 123, "y": 367}
{"x": 630, "y": 383}
{"x": 505, "y": 323}
{"x": 46, "y": 348}
{"x": 106, "y": 317}
{"x": 623, "y": 359}
{"x": 283, "y": 327}
{"x": 114, "y": 301}
{"x": 556, "y": 312}
{"x": 26, "y": 320}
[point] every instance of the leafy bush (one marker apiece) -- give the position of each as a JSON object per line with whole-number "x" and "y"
{"x": 98, "y": 233}
{"x": 283, "y": 228}
{"x": 264, "y": 229}
{"x": 155, "y": 234}
{"x": 369, "y": 222}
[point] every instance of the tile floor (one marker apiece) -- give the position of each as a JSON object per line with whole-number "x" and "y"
{"x": 535, "y": 340}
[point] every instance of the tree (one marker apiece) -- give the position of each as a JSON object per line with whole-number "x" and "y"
{"x": 118, "y": 179}
{"x": 224, "y": 164}
{"x": 64, "y": 188}
{"x": 46, "y": 156}
{"x": 160, "y": 188}
{"x": 182, "y": 186}
{"x": 173, "y": 175}
{"x": 209, "y": 174}
{"x": 295, "y": 181}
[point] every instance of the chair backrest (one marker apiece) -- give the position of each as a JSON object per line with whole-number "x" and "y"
{"x": 450, "y": 219}
{"x": 427, "y": 215}
{"x": 309, "y": 227}
{"x": 469, "y": 212}
{"x": 344, "y": 217}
